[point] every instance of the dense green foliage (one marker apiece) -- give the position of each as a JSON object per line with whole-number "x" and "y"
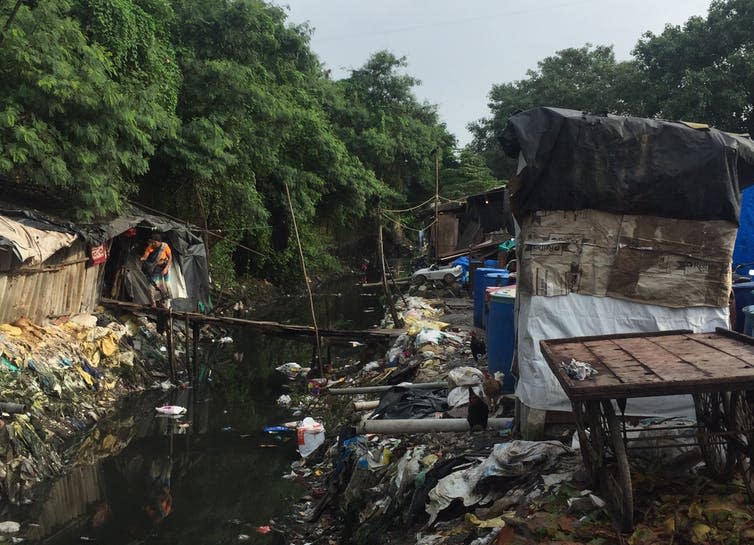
{"x": 701, "y": 71}
{"x": 206, "y": 110}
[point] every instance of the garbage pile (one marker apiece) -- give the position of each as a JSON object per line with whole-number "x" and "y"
{"x": 56, "y": 381}
{"x": 482, "y": 488}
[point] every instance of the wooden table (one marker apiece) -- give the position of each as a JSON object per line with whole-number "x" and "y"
{"x": 717, "y": 369}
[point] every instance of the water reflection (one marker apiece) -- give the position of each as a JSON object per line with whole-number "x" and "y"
{"x": 208, "y": 477}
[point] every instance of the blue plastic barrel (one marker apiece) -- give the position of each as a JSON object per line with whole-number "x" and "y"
{"x": 744, "y": 298}
{"x": 501, "y": 278}
{"x": 501, "y": 335}
{"x": 480, "y": 287}
{"x": 748, "y": 313}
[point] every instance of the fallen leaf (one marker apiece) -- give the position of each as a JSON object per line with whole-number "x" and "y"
{"x": 695, "y": 511}
{"x": 506, "y": 536}
{"x": 565, "y": 524}
{"x": 700, "y": 532}
{"x": 668, "y": 526}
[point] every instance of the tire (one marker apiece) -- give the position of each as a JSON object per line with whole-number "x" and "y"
{"x": 419, "y": 280}
{"x": 448, "y": 279}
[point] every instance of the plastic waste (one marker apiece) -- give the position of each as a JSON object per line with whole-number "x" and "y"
{"x": 372, "y": 366}
{"x": 292, "y": 369}
{"x": 225, "y": 340}
{"x": 433, "y": 336}
{"x": 277, "y": 429}
{"x": 310, "y": 436}
{"x": 284, "y": 400}
{"x": 170, "y": 409}
{"x": 9, "y": 527}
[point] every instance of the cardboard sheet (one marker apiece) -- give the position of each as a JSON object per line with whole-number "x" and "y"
{"x": 662, "y": 261}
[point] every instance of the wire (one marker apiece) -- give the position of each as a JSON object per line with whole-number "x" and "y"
{"x": 196, "y": 227}
{"x": 412, "y": 208}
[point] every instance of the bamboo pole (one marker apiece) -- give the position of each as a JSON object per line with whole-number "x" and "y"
{"x": 171, "y": 355}
{"x": 306, "y": 281}
{"x": 188, "y": 348}
{"x": 394, "y": 313}
{"x": 437, "y": 204}
{"x": 195, "y": 339}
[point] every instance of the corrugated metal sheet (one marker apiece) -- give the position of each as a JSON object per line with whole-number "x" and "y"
{"x": 63, "y": 284}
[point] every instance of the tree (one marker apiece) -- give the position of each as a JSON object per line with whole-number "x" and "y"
{"x": 703, "y": 70}
{"x": 467, "y": 175}
{"x": 75, "y": 123}
{"x": 587, "y": 78}
{"x": 392, "y": 133}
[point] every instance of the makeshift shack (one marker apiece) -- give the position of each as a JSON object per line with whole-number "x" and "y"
{"x": 50, "y": 267}
{"x": 627, "y": 225}
{"x": 476, "y": 224}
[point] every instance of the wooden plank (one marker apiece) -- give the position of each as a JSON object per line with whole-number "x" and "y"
{"x": 672, "y": 363}
{"x": 266, "y": 326}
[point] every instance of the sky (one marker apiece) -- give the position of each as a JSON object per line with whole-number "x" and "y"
{"x": 460, "y": 48}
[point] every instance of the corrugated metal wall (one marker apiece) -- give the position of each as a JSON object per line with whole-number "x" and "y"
{"x": 64, "y": 284}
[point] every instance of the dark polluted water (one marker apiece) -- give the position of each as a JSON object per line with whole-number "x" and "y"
{"x": 217, "y": 480}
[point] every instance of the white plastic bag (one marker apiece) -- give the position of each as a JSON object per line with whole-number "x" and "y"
{"x": 310, "y": 435}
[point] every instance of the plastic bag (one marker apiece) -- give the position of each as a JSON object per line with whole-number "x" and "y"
{"x": 310, "y": 436}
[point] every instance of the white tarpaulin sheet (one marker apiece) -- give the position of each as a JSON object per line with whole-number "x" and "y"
{"x": 574, "y": 315}
{"x": 33, "y": 246}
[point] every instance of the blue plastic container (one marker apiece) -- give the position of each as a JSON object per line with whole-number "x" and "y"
{"x": 744, "y": 298}
{"x": 501, "y": 335}
{"x": 501, "y": 278}
{"x": 480, "y": 286}
{"x": 748, "y": 313}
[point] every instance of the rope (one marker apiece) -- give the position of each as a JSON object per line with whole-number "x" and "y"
{"x": 412, "y": 208}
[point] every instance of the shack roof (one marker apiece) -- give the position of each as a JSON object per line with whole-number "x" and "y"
{"x": 630, "y": 165}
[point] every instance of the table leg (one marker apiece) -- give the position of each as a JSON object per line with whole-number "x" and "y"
{"x": 604, "y": 453}
{"x": 714, "y": 417}
{"x": 743, "y": 440}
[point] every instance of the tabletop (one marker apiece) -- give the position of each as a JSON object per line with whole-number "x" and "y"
{"x": 654, "y": 364}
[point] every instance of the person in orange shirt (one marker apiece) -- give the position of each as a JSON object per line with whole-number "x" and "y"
{"x": 156, "y": 262}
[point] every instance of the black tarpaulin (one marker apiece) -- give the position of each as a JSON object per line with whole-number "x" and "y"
{"x": 188, "y": 249}
{"x": 626, "y": 165}
{"x": 400, "y": 402}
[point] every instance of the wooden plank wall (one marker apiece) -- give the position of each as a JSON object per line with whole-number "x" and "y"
{"x": 64, "y": 284}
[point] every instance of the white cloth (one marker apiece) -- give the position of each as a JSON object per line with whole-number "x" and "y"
{"x": 575, "y": 315}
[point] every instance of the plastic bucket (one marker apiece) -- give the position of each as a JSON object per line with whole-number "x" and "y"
{"x": 501, "y": 335}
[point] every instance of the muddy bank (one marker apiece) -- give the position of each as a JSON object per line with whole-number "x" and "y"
{"x": 58, "y": 380}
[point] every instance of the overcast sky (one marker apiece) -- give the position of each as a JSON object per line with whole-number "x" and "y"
{"x": 460, "y": 48}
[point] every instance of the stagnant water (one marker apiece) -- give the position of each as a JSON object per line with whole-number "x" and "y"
{"x": 220, "y": 477}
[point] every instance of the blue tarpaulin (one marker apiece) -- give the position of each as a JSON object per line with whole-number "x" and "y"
{"x": 743, "y": 252}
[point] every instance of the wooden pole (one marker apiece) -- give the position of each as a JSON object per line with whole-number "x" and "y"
{"x": 437, "y": 203}
{"x": 394, "y": 313}
{"x": 171, "y": 355}
{"x": 306, "y": 281}
{"x": 195, "y": 338}
{"x": 187, "y": 330}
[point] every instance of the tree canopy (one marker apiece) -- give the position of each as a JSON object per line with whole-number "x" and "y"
{"x": 700, "y": 71}
{"x": 206, "y": 111}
